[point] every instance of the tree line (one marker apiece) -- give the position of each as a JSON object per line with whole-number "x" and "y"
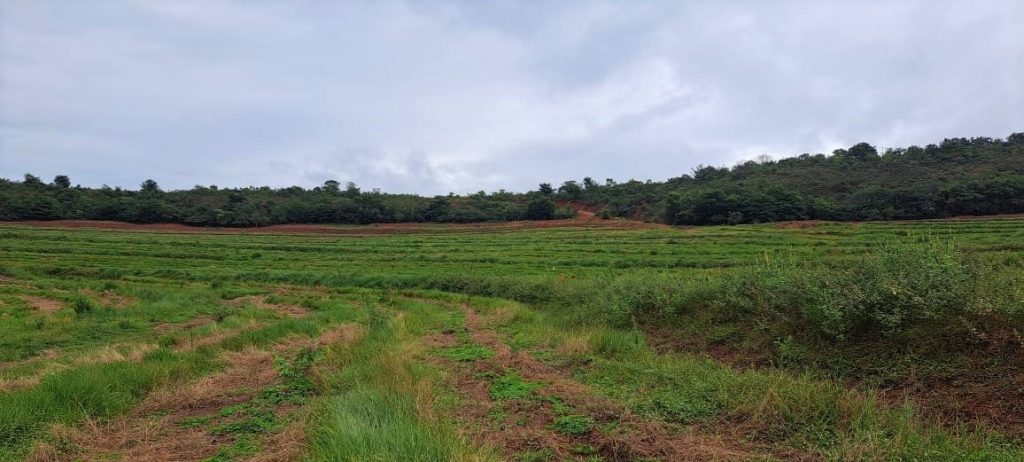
{"x": 959, "y": 176}
{"x": 33, "y": 199}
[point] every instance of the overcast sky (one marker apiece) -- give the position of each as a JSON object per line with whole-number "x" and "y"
{"x": 438, "y": 96}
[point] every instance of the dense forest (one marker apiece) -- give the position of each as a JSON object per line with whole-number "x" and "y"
{"x": 959, "y": 176}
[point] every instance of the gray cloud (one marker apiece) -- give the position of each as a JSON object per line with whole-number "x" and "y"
{"x": 432, "y": 97}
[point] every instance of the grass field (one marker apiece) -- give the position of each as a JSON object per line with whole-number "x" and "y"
{"x": 813, "y": 341}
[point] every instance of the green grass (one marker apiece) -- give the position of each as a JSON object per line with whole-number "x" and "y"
{"x": 469, "y": 352}
{"x": 816, "y": 306}
{"x": 375, "y": 411}
{"x": 512, "y": 386}
{"x": 89, "y": 391}
{"x": 573, "y": 425}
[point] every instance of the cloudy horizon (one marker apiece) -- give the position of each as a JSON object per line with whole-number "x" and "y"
{"x": 461, "y": 96}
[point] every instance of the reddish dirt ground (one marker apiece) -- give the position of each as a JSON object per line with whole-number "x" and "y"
{"x": 587, "y": 219}
{"x": 155, "y": 430}
{"x": 43, "y": 304}
{"x": 259, "y": 301}
{"x": 526, "y": 425}
{"x": 583, "y": 221}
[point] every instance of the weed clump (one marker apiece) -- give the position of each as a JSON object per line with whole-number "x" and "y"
{"x": 573, "y": 425}
{"x": 511, "y": 386}
{"x": 82, "y": 305}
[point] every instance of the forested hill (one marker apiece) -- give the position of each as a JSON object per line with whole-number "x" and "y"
{"x": 959, "y": 176}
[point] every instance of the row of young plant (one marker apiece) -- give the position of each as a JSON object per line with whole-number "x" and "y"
{"x": 910, "y": 291}
{"x": 901, "y": 292}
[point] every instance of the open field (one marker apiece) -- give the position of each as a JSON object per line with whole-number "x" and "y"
{"x": 590, "y": 340}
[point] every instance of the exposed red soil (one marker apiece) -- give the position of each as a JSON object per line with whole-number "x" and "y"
{"x": 43, "y": 304}
{"x": 379, "y": 228}
{"x": 199, "y": 321}
{"x": 666, "y": 339}
{"x": 998, "y": 403}
{"x": 526, "y": 425}
{"x": 110, "y": 299}
{"x": 989, "y": 389}
{"x": 586, "y": 219}
{"x": 260, "y": 301}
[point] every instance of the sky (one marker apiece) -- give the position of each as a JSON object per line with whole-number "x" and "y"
{"x": 440, "y": 96}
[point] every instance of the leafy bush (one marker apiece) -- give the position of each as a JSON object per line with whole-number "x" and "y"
{"x": 82, "y": 305}
{"x": 563, "y": 213}
{"x": 901, "y": 287}
{"x": 902, "y": 290}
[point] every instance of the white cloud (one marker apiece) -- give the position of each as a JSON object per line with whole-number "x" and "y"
{"x": 460, "y": 95}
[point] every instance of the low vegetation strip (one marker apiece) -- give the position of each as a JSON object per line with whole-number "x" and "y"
{"x": 878, "y": 341}
{"x": 532, "y": 411}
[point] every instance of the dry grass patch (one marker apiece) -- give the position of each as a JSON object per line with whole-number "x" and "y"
{"x": 576, "y": 344}
{"x": 260, "y": 301}
{"x": 217, "y": 335}
{"x": 42, "y": 304}
{"x": 154, "y": 431}
{"x": 110, "y": 299}
{"x": 111, "y": 353}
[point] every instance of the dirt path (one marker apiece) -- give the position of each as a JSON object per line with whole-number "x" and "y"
{"x": 260, "y": 301}
{"x": 159, "y": 429}
{"x": 584, "y": 220}
{"x": 42, "y": 304}
{"x": 226, "y": 415}
{"x": 563, "y": 419}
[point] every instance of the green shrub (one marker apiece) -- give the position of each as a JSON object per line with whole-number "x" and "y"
{"x": 564, "y": 213}
{"x": 790, "y": 352}
{"x": 82, "y": 305}
{"x": 900, "y": 287}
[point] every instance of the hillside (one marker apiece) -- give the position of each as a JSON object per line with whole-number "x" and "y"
{"x": 959, "y": 176}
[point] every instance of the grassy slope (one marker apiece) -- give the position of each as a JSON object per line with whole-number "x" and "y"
{"x": 171, "y": 279}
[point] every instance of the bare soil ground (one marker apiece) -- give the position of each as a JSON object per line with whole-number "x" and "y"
{"x": 43, "y": 304}
{"x": 110, "y": 299}
{"x": 159, "y": 428}
{"x": 526, "y": 426}
{"x": 586, "y": 219}
{"x": 379, "y": 228}
{"x": 989, "y": 390}
{"x": 155, "y": 430}
{"x": 260, "y": 301}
